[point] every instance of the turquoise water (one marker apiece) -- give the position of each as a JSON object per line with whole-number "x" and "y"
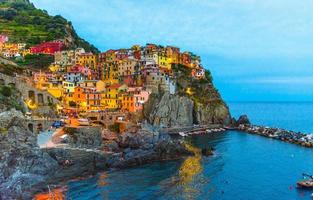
{"x": 297, "y": 116}
{"x": 243, "y": 167}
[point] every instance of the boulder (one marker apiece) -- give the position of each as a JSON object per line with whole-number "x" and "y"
{"x": 23, "y": 165}
{"x": 243, "y": 119}
{"x": 85, "y": 137}
{"x": 207, "y": 152}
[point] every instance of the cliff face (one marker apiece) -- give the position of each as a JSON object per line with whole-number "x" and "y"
{"x": 169, "y": 110}
{"x": 211, "y": 113}
{"x": 195, "y": 102}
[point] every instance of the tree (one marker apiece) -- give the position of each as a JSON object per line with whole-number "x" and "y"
{"x": 6, "y": 91}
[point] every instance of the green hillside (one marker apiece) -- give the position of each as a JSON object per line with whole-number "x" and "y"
{"x": 22, "y": 22}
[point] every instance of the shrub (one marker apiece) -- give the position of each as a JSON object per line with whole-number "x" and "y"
{"x": 6, "y": 91}
{"x": 114, "y": 127}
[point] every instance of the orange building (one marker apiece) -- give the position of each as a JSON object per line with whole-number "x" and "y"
{"x": 134, "y": 99}
{"x": 87, "y": 98}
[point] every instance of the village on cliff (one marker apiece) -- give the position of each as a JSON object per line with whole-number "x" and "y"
{"x": 110, "y": 87}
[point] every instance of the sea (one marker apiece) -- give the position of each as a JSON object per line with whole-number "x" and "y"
{"x": 244, "y": 167}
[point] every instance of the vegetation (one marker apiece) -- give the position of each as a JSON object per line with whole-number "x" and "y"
{"x": 10, "y": 98}
{"x": 201, "y": 91}
{"x": 22, "y": 22}
{"x": 36, "y": 61}
{"x": 114, "y": 127}
{"x": 10, "y": 70}
{"x": 6, "y": 91}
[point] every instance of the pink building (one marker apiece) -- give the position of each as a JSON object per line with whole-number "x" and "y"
{"x": 80, "y": 69}
{"x": 3, "y": 39}
{"x": 134, "y": 99}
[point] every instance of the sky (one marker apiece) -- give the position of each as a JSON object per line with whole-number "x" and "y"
{"x": 256, "y": 50}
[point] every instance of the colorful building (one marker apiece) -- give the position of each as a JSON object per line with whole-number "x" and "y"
{"x": 47, "y": 48}
{"x": 198, "y": 73}
{"x": 127, "y": 67}
{"x": 134, "y": 99}
{"x": 111, "y": 96}
{"x": 87, "y": 59}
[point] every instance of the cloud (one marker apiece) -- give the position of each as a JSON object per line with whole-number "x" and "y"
{"x": 241, "y": 27}
{"x": 269, "y": 40}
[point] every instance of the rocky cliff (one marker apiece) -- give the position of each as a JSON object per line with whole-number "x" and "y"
{"x": 26, "y": 169}
{"x": 23, "y": 164}
{"x": 195, "y": 102}
{"x": 169, "y": 110}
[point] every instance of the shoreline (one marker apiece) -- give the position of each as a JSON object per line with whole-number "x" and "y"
{"x": 275, "y": 133}
{"x": 298, "y": 138}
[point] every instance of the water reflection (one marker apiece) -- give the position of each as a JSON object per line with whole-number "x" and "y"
{"x": 56, "y": 194}
{"x": 188, "y": 170}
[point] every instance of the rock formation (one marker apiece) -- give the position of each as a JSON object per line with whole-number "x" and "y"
{"x": 243, "y": 119}
{"x": 23, "y": 164}
{"x": 170, "y": 111}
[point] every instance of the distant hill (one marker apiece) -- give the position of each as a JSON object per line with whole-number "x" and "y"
{"x": 23, "y": 22}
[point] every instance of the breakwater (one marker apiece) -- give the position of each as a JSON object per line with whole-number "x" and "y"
{"x": 298, "y": 138}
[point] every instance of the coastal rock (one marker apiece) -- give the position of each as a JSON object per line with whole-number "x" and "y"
{"x": 111, "y": 145}
{"x": 23, "y": 164}
{"x": 76, "y": 162}
{"x": 207, "y": 152}
{"x": 138, "y": 140}
{"x": 147, "y": 146}
{"x": 7, "y": 117}
{"x": 170, "y": 111}
{"x": 212, "y": 113}
{"x": 243, "y": 119}
{"x": 84, "y": 137}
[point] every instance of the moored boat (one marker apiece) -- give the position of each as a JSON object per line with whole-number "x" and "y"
{"x": 308, "y": 183}
{"x": 305, "y": 184}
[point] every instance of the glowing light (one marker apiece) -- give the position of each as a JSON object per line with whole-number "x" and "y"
{"x": 31, "y": 105}
{"x": 189, "y": 91}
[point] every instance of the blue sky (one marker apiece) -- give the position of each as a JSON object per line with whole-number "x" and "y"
{"x": 256, "y": 50}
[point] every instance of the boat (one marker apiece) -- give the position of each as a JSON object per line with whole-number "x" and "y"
{"x": 305, "y": 184}
{"x": 182, "y": 134}
{"x": 308, "y": 183}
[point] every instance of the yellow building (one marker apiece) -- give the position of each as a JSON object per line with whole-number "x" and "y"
{"x": 54, "y": 67}
{"x": 110, "y": 73}
{"x": 173, "y": 54}
{"x": 55, "y": 90}
{"x": 98, "y": 85}
{"x": 164, "y": 61}
{"x": 111, "y": 97}
{"x": 87, "y": 60}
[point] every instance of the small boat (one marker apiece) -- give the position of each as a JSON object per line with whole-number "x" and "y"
{"x": 305, "y": 184}
{"x": 308, "y": 183}
{"x": 182, "y": 134}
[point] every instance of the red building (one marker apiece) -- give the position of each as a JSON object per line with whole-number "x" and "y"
{"x": 47, "y": 47}
{"x": 137, "y": 54}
